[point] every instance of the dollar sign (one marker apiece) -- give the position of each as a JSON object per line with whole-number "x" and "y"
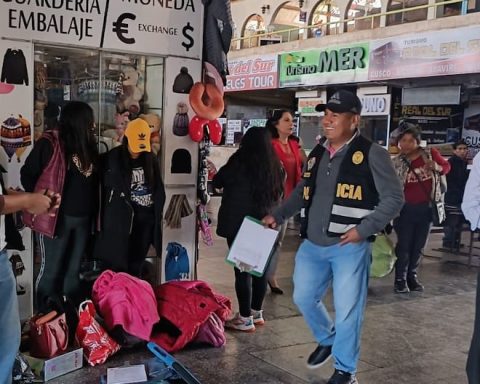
{"x": 187, "y": 29}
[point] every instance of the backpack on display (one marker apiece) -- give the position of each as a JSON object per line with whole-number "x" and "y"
{"x": 177, "y": 265}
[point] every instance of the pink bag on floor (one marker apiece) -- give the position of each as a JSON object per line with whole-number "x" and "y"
{"x": 211, "y": 332}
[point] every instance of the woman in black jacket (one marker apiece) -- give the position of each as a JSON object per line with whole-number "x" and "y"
{"x": 252, "y": 184}
{"x": 133, "y": 196}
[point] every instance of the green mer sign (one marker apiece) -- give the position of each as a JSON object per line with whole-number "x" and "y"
{"x": 327, "y": 66}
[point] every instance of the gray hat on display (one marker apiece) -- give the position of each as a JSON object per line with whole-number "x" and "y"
{"x": 342, "y": 101}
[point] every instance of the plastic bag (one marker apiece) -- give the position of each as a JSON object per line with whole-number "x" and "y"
{"x": 97, "y": 345}
{"x": 22, "y": 373}
{"x": 383, "y": 256}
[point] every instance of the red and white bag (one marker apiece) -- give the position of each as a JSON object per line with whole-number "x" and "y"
{"x": 96, "y": 343}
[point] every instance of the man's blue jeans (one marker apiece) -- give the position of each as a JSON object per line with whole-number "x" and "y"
{"x": 347, "y": 268}
{"x": 9, "y": 320}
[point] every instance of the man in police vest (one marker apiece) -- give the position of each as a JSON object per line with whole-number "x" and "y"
{"x": 349, "y": 192}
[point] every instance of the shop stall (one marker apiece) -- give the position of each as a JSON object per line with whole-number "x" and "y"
{"x": 125, "y": 59}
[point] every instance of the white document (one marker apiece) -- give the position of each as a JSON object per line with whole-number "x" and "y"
{"x": 252, "y": 246}
{"x": 126, "y": 375}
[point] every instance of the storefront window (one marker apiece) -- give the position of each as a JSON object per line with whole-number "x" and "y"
{"x": 253, "y": 26}
{"x": 114, "y": 85}
{"x": 375, "y": 128}
{"x": 361, "y": 9}
{"x": 310, "y": 128}
{"x": 406, "y": 16}
{"x": 326, "y": 19}
{"x": 287, "y": 17}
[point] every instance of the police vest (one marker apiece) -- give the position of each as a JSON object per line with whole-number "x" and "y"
{"x": 355, "y": 193}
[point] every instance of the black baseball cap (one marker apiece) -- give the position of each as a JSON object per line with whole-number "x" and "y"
{"x": 342, "y": 101}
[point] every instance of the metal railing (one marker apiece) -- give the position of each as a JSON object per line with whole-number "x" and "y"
{"x": 333, "y": 27}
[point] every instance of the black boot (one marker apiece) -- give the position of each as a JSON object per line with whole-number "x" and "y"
{"x": 414, "y": 284}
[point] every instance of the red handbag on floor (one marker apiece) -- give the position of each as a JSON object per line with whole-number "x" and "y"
{"x": 48, "y": 335}
{"x": 96, "y": 343}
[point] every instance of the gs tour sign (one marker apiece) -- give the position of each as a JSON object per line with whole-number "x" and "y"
{"x": 252, "y": 73}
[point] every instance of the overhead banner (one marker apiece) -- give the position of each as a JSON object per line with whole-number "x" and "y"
{"x": 163, "y": 27}
{"x": 335, "y": 65}
{"x": 252, "y": 73}
{"x": 446, "y": 52}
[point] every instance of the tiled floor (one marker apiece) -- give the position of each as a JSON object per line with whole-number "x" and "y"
{"x": 419, "y": 338}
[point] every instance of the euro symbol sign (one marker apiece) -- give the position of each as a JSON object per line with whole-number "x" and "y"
{"x": 121, "y": 28}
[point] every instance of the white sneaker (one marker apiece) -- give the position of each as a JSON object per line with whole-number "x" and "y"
{"x": 258, "y": 317}
{"x": 241, "y": 323}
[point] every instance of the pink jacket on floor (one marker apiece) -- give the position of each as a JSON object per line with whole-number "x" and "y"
{"x": 127, "y": 301}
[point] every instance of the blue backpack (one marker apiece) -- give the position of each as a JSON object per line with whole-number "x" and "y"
{"x": 177, "y": 265}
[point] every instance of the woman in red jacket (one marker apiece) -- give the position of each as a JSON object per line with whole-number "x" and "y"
{"x": 419, "y": 171}
{"x": 291, "y": 155}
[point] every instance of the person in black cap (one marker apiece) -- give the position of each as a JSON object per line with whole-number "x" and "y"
{"x": 348, "y": 193}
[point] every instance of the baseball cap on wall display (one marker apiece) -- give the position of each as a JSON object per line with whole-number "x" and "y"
{"x": 138, "y": 135}
{"x": 181, "y": 161}
{"x": 342, "y": 101}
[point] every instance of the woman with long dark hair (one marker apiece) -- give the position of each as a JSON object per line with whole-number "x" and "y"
{"x": 419, "y": 171}
{"x": 133, "y": 196}
{"x": 64, "y": 161}
{"x": 291, "y": 155}
{"x": 252, "y": 185}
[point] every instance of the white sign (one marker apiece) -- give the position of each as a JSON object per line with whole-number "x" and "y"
{"x": 172, "y": 27}
{"x": 70, "y": 22}
{"x": 162, "y": 27}
{"x": 234, "y": 125}
{"x": 375, "y": 105}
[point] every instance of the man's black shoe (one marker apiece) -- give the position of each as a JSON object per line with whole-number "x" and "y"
{"x": 319, "y": 356}
{"x": 400, "y": 286}
{"x": 342, "y": 377}
{"x": 414, "y": 284}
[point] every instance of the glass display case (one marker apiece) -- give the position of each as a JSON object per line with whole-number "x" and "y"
{"x": 116, "y": 86}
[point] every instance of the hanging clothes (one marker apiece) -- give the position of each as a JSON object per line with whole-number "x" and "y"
{"x": 14, "y": 68}
{"x": 217, "y": 34}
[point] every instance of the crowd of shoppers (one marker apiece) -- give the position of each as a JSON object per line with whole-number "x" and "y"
{"x": 346, "y": 191}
